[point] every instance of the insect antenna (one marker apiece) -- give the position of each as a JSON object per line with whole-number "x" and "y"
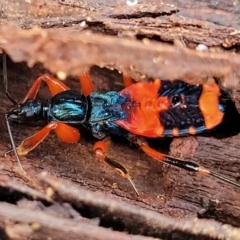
{"x": 14, "y": 149}
{"x": 5, "y": 83}
{"x": 5, "y": 80}
{"x": 224, "y": 179}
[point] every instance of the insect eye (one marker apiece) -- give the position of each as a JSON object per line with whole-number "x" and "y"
{"x": 176, "y": 100}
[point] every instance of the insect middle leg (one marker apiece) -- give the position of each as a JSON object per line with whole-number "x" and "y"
{"x": 127, "y": 81}
{"x": 87, "y": 85}
{"x": 100, "y": 147}
{"x": 100, "y": 150}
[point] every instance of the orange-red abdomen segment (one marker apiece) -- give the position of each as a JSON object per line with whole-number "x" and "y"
{"x": 143, "y": 109}
{"x": 209, "y": 105}
{"x": 165, "y": 108}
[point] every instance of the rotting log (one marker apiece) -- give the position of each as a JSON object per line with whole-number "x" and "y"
{"x": 169, "y": 191}
{"x": 166, "y": 190}
{"x": 90, "y": 215}
{"x": 69, "y": 53}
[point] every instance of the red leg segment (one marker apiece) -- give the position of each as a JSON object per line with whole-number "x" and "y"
{"x": 86, "y": 83}
{"x": 187, "y": 165}
{"x": 65, "y": 132}
{"x": 190, "y": 166}
{"x": 127, "y": 81}
{"x": 100, "y": 149}
{"x": 55, "y": 86}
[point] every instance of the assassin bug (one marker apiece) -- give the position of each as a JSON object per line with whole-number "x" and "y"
{"x": 153, "y": 109}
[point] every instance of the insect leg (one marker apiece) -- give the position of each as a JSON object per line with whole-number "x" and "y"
{"x": 127, "y": 81}
{"x": 65, "y": 132}
{"x": 86, "y": 83}
{"x": 100, "y": 149}
{"x": 187, "y": 165}
{"x": 55, "y": 86}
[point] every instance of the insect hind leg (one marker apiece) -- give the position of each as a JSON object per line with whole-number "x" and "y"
{"x": 186, "y": 165}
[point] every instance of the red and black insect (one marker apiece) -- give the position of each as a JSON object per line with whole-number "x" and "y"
{"x": 154, "y": 109}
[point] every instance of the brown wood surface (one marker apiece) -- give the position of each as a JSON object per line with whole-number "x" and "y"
{"x": 171, "y": 192}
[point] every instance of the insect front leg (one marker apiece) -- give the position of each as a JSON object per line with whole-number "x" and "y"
{"x": 55, "y": 86}
{"x": 65, "y": 132}
{"x": 100, "y": 149}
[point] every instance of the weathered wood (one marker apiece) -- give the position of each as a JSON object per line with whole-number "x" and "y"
{"x": 77, "y": 52}
{"x": 172, "y": 192}
{"x": 44, "y": 225}
{"x": 60, "y": 221}
{"x": 163, "y": 23}
{"x": 133, "y": 219}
